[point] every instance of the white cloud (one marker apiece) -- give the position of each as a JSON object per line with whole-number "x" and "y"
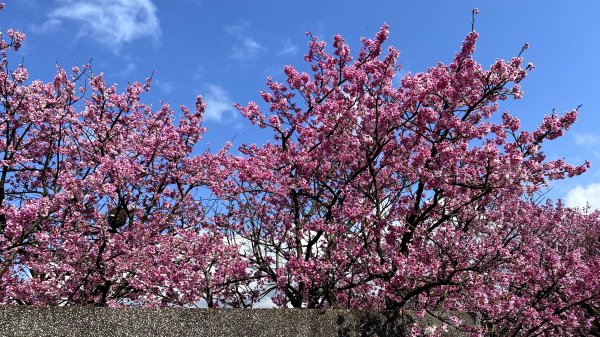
{"x": 219, "y": 107}
{"x": 265, "y": 302}
{"x": 48, "y": 26}
{"x": 581, "y": 196}
{"x": 288, "y": 48}
{"x": 128, "y": 69}
{"x": 586, "y": 139}
{"x": 166, "y": 87}
{"x": 199, "y": 72}
{"x": 110, "y": 22}
{"x": 195, "y": 2}
{"x": 247, "y": 47}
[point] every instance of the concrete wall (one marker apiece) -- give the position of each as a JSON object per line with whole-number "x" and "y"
{"x": 135, "y": 322}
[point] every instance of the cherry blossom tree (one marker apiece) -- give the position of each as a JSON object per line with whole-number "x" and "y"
{"x": 101, "y": 200}
{"x": 549, "y": 285}
{"x": 379, "y": 192}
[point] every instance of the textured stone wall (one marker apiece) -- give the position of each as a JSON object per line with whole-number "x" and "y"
{"x": 135, "y": 322}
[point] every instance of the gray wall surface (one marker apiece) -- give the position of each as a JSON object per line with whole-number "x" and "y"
{"x": 136, "y": 322}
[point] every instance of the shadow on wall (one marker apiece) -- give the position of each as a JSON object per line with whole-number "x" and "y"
{"x": 399, "y": 324}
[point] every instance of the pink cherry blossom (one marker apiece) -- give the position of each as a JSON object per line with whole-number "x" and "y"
{"x": 376, "y": 196}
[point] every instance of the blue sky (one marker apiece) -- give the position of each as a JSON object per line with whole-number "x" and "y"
{"x": 225, "y": 49}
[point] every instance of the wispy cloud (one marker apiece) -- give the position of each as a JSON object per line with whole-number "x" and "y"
{"x": 247, "y": 47}
{"x": 166, "y": 87}
{"x": 195, "y": 2}
{"x": 110, "y": 22}
{"x": 288, "y": 48}
{"x": 199, "y": 73}
{"x": 219, "y": 107}
{"x": 581, "y": 196}
{"x": 48, "y": 26}
{"x": 127, "y": 69}
{"x": 586, "y": 139}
